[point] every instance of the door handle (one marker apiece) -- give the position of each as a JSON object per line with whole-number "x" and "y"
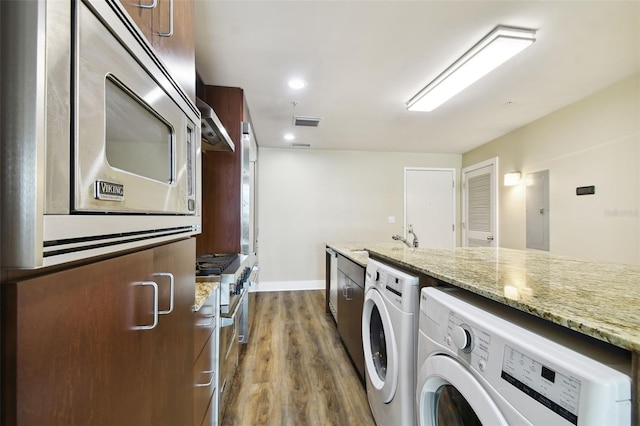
{"x": 152, "y": 5}
{"x": 154, "y": 286}
{"x": 347, "y": 294}
{"x": 490, "y": 238}
{"x": 171, "y": 290}
{"x": 170, "y": 33}
{"x": 541, "y": 211}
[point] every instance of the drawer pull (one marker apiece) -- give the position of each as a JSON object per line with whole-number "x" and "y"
{"x": 212, "y": 319}
{"x": 212, "y": 376}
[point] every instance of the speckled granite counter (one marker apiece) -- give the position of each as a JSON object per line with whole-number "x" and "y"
{"x": 204, "y": 288}
{"x": 601, "y": 300}
{"x": 598, "y": 299}
{"x": 354, "y": 251}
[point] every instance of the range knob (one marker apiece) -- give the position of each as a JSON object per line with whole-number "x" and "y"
{"x": 462, "y": 338}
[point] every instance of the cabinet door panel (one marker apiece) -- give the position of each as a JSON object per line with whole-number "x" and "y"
{"x": 172, "y": 360}
{"x": 78, "y": 358}
{"x": 142, "y": 16}
{"x": 178, "y": 50}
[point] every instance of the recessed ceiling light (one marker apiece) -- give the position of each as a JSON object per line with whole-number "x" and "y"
{"x": 297, "y": 83}
{"x": 289, "y": 136}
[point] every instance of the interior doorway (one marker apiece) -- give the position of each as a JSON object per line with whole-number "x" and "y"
{"x": 429, "y": 206}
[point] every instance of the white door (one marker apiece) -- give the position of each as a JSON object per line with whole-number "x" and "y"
{"x": 430, "y": 206}
{"x": 538, "y": 210}
{"x": 479, "y": 201}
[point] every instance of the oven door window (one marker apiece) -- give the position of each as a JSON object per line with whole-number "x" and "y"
{"x": 137, "y": 139}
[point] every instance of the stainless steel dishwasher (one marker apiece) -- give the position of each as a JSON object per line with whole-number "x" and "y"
{"x": 333, "y": 283}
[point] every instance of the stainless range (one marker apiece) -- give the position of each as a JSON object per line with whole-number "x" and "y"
{"x": 236, "y": 273}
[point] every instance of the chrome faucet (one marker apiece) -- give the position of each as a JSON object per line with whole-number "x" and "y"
{"x": 414, "y": 244}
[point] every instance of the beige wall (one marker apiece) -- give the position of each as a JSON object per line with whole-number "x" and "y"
{"x": 309, "y": 197}
{"x": 595, "y": 141}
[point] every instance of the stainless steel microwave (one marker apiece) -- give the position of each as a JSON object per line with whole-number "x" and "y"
{"x": 102, "y": 152}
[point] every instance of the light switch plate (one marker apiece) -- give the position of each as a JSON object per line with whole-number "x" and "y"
{"x": 392, "y": 219}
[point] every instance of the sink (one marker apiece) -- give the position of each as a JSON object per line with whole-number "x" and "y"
{"x": 361, "y": 253}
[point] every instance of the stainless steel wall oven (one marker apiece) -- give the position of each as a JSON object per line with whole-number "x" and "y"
{"x": 101, "y": 146}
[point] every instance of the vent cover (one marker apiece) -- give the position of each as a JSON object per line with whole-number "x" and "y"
{"x": 306, "y": 121}
{"x": 300, "y": 145}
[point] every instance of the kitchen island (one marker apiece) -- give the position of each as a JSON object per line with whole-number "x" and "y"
{"x": 596, "y": 299}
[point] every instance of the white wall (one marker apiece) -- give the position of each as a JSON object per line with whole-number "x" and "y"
{"x": 595, "y": 141}
{"x": 309, "y": 197}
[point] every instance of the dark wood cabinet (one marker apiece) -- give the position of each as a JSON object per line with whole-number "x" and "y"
{"x": 80, "y": 346}
{"x": 221, "y": 176}
{"x": 168, "y": 26}
{"x": 350, "y": 306}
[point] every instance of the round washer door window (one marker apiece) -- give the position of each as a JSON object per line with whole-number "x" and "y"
{"x": 379, "y": 344}
{"x": 448, "y": 394}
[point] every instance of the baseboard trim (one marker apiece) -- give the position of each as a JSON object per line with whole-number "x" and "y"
{"x": 288, "y": 286}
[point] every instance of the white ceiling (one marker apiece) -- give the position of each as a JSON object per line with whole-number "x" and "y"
{"x": 363, "y": 60}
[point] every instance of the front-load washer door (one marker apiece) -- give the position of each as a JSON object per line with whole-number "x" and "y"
{"x": 380, "y": 347}
{"x": 448, "y": 394}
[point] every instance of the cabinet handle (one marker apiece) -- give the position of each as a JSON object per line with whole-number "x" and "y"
{"x": 170, "y": 33}
{"x": 213, "y": 375}
{"x": 152, "y": 5}
{"x": 155, "y": 305}
{"x": 348, "y": 297}
{"x": 171, "y": 290}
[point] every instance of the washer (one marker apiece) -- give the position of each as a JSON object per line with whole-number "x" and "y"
{"x": 480, "y": 362}
{"x": 389, "y": 339}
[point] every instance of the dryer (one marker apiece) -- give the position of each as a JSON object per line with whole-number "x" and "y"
{"x": 389, "y": 336}
{"x": 480, "y": 362}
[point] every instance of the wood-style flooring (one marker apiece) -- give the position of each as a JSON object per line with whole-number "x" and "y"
{"x": 294, "y": 370}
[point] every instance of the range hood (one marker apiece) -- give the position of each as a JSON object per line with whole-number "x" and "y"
{"x": 214, "y": 135}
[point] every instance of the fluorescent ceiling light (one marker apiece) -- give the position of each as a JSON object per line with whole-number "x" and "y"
{"x": 497, "y": 47}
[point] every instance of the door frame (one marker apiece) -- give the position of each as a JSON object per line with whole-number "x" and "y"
{"x": 464, "y": 216}
{"x": 453, "y": 193}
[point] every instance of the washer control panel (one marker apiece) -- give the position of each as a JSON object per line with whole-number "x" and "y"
{"x": 467, "y": 338}
{"x": 552, "y": 389}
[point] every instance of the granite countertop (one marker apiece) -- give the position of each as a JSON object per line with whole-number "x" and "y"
{"x": 204, "y": 288}
{"x": 598, "y": 299}
{"x": 353, "y": 251}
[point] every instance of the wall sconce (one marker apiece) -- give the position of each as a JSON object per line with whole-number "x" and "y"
{"x": 511, "y": 179}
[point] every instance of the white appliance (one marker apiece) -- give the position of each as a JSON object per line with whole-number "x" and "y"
{"x": 389, "y": 335}
{"x": 480, "y": 362}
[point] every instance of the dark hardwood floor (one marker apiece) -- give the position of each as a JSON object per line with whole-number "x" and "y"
{"x": 294, "y": 370}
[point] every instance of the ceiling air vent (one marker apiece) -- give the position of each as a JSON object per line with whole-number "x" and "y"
{"x": 306, "y": 121}
{"x": 300, "y": 145}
